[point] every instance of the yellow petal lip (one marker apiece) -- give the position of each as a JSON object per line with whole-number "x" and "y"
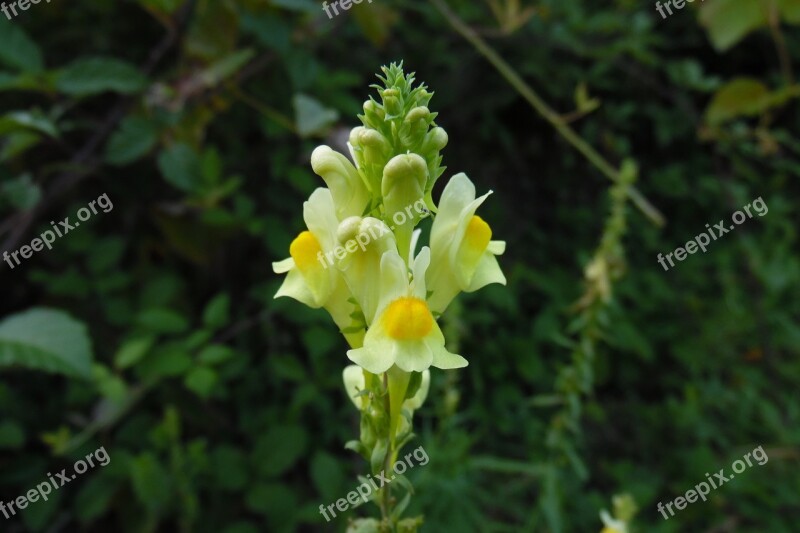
{"x": 478, "y": 234}
{"x": 408, "y": 318}
{"x": 305, "y": 250}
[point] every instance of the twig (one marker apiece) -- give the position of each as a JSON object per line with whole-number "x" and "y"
{"x": 544, "y": 110}
{"x": 780, "y": 44}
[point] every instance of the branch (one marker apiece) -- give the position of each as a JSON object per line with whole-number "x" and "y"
{"x": 545, "y": 111}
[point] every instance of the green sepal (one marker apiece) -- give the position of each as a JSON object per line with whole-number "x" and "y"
{"x": 414, "y": 384}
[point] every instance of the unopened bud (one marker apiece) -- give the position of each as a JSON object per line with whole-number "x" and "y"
{"x": 391, "y": 103}
{"x": 418, "y": 113}
{"x": 348, "y": 229}
{"x": 435, "y": 140}
{"x": 405, "y": 170}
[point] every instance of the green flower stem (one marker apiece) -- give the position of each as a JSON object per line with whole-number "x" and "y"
{"x": 386, "y": 496}
{"x": 544, "y": 110}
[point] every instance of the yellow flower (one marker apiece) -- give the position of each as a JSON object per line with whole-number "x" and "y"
{"x": 463, "y": 254}
{"x": 311, "y": 278}
{"x": 360, "y": 263}
{"x": 404, "y": 332}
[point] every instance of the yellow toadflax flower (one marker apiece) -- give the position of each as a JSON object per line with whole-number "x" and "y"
{"x": 404, "y": 332}
{"x": 463, "y": 254}
{"x": 310, "y": 279}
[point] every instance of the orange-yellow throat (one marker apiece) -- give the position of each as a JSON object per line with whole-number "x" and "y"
{"x": 408, "y": 319}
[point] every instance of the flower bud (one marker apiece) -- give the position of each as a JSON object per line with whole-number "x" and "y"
{"x": 405, "y": 176}
{"x": 373, "y": 113}
{"x": 418, "y": 113}
{"x": 414, "y": 127}
{"x": 435, "y": 140}
{"x": 403, "y": 184}
{"x": 391, "y": 103}
{"x": 350, "y": 195}
{"x": 348, "y": 229}
{"x": 372, "y": 151}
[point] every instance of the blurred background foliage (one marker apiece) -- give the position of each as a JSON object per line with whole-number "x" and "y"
{"x": 151, "y": 330}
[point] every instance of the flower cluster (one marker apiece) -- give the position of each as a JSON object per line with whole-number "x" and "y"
{"x": 386, "y": 296}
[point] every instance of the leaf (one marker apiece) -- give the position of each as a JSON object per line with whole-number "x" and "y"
{"x": 217, "y": 311}
{"x": 28, "y": 81}
{"x": 226, "y": 67}
{"x": 583, "y": 102}
{"x": 132, "y": 351}
{"x": 163, "y": 321}
{"x": 17, "y": 50}
{"x": 229, "y": 468}
{"x": 214, "y": 30}
{"x": 215, "y": 354}
{"x": 327, "y": 475}
{"x": 745, "y": 97}
{"x": 201, "y": 381}
{"x": 170, "y": 361}
{"x": 729, "y": 21}
{"x": 789, "y": 11}
{"x": 269, "y": 30}
{"x": 95, "y": 498}
{"x": 276, "y": 502}
{"x": 28, "y": 120}
{"x": 46, "y": 339}
{"x": 376, "y": 22}
{"x": 151, "y": 482}
{"x": 12, "y": 436}
{"x": 279, "y": 449}
{"x": 95, "y": 75}
{"x": 18, "y": 143}
{"x": 311, "y": 116}
{"x": 133, "y": 139}
{"x": 309, "y": 6}
{"x": 180, "y": 167}
{"x": 21, "y": 192}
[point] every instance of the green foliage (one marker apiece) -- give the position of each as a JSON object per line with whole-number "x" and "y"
{"x": 94, "y": 75}
{"x": 222, "y": 408}
{"x": 45, "y": 339}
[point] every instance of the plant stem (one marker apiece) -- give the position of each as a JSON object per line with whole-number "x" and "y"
{"x": 386, "y": 496}
{"x": 544, "y": 110}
